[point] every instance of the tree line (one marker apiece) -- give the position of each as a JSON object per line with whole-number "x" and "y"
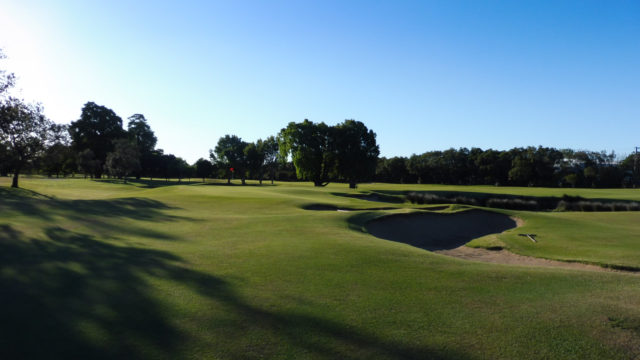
{"x": 97, "y": 144}
{"x": 530, "y": 166}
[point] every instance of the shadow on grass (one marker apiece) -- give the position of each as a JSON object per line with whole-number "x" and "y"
{"x": 328, "y": 207}
{"x": 146, "y": 183}
{"x": 375, "y": 196}
{"x": 96, "y": 214}
{"x": 68, "y": 295}
{"x": 152, "y": 184}
{"x": 238, "y": 183}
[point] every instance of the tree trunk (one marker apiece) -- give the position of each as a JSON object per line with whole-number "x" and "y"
{"x": 243, "y": 183}
{"x": 352, "y": 185}
{"x": 14, "y": 182}
{"x": 320, "y": 183}
{"x": 229, "y": 181}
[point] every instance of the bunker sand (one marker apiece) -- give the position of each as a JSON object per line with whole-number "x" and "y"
{"x": 447, "y": 234}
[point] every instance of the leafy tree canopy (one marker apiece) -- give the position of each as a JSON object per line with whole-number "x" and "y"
{"x": 356, "y": 151}
{"x": 97, "y": 129}
{"x": 311, "y": 148}
{"x": 229, "y": 153}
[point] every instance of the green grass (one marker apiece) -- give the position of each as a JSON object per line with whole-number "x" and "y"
{"x": 95, "y": 269}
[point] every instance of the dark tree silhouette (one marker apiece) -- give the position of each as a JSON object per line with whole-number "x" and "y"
{"x": 229, "y": 153}
{"x": 255, "y": 160}
{"x": 204, "y": 168}
{"x": 96, "y": 130}
{"x": 124, "y": 160}
{"x": 269, "y": 148}
{"x": 356, "y": 151}
{"x": 143, "y": 137}
{"x": 25, "y": 130}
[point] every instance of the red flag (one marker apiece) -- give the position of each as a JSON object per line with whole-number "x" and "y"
{"x": 231, "y": 169}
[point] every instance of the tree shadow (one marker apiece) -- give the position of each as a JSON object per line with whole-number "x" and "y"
{"x": 68, "y": 295}
{"x": 329, "y": 207}
{"x": 97, "y": 214}
{"x": 237, "y": 183}
{"x": 71, "y": 296}
{"x": 158, "y": 183}
{"x": 372, "y": 196}
{"x": 147, "y": 183}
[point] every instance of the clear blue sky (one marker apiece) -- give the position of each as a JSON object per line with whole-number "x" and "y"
{"x": 424, "y": 75}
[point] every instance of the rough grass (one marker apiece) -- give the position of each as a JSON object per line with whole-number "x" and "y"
{"x": 104, "y": 270}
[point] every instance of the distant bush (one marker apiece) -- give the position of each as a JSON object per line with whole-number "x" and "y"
{"x": 513, "y": 204}
{"x": 565, "y": 203}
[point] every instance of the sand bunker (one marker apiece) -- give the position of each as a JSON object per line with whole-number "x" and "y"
{"x": 434, "y": 231}
{"x": 447, "y": 234}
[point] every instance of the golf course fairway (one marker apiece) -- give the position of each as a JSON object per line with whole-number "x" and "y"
{"x": 154, "y": 270}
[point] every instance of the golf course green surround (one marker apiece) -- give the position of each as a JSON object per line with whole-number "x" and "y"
{"x": 156, "y": 270}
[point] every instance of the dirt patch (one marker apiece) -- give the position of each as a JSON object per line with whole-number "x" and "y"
{"x": 507, "y": 257}
{"x": 436, "y": 231}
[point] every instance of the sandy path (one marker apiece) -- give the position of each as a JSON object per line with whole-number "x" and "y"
{"x": 507, "y": 257}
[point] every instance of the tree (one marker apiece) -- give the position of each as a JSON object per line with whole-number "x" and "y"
{"x": 356, "y": 151}
{"x": 392, "y": 170}
{"x": 24, "y": 130}
{"x": 229, "y": 154}
{"x": 58, "y": 156}
{"x": 311, "y": 148}
{"x": 204, "y": 168}
{"x": 145, "y": 140}
{"x": 7, "y": 80}
{"x": 97, "y": 129}
{"x": 255, "y": 160}
{"x": 183, "y": 169}
{"x": 269, "y": 147}
{"x": 5, "y": 160}
{"x": 141, "y": 134}
{"x": 87, "y": 163}
{"x": 124, "y": 160}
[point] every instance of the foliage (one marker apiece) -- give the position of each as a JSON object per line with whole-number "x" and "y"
{"x": 204, "y": 168}
{"x": 124, "y": 160}
{"x": 87, "y": 162}
{"x": 7, "y": 79}
{"x": 229, "y": 154}
{"x": 140, "y": 132}
{"x": 24, "y": 130}
{"x": 311, "y": 148}
{"x": 356, "y": 151}
{"x": 529, "y": 166}
{"x": 269, "y": 147}
{"x": 97, "y": 129}
{"x": 254, "y": 157}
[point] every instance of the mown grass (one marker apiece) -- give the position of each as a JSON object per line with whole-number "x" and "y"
{"x": 93, "y": 269}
